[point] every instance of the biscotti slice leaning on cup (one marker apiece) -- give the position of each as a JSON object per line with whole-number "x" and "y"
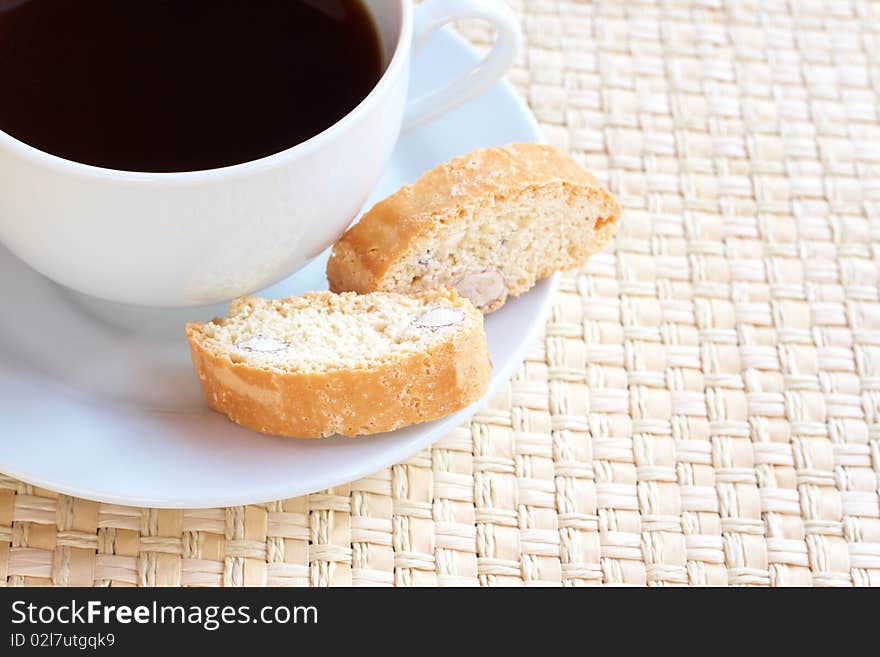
{"x": 490, "y": 224}
{"x": 323, "y": 363}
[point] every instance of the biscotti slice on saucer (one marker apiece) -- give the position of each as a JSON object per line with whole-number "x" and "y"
{"x": 324, "y": 364}
{"x": 490, "y": 224}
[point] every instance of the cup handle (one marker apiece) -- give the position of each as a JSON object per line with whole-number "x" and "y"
{"x": 430, "y": 16}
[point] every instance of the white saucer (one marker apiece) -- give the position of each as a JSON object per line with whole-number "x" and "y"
{"x": 91, "y": 407}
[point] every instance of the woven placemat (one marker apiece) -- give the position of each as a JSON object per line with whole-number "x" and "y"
{"x": 705, "y": 405}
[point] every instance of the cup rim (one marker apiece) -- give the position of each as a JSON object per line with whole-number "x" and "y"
{"x": 48, "y": 160}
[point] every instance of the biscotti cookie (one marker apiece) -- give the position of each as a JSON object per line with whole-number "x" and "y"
{"x": 490, "y": 224}
{"x": 323, "y": 363}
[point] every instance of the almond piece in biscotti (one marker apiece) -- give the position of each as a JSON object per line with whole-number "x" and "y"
{"x": 487, "y": 290}
{"x": 261, "y": 344}
{"x": 491, "y": 224}
{"x": 439, "y": 318}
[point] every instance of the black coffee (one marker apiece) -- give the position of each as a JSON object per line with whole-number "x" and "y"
{"x": 180, "y": 85}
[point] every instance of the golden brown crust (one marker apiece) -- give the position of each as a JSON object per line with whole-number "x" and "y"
{"x": 366, "y": 252}
{"x": 420, "y": 387}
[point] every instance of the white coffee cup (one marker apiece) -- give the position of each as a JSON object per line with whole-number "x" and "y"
{"x": 192, "y": 238}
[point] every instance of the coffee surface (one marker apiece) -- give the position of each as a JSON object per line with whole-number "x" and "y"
{"x": 180, "y": 85}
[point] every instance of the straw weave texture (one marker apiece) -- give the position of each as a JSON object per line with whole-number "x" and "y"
{"x": 705, "y": 405}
